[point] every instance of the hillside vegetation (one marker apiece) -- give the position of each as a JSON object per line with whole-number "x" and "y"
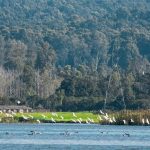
{"x": 75, "y": 54}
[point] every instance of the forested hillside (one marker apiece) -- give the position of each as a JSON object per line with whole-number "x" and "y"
{"x": 75, "y": 54}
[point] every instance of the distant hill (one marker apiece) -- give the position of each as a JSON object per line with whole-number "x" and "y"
{"x": 55, "y": 40}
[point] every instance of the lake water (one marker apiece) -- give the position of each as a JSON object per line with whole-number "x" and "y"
{"x": 73, "y": 137}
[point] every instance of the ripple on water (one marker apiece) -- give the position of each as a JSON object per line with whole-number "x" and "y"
{"x": 80, "y": 137}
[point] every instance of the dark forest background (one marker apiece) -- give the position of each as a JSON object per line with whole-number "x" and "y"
{"x": 72, "y": 55}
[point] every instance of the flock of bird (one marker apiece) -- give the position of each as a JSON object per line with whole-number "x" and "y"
{"x": 75, "y": 119}
{"x": 101, "y": 117}
{"x": 112, "y": 120}
{"x": 66, "y": 133}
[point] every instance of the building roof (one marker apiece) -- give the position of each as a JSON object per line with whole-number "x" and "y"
{"x": 14, "y": 107}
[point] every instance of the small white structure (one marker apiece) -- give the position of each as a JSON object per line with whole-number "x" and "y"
{"x": 14, "y": 108}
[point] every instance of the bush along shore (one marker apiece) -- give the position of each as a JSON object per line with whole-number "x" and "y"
{"x": 128, "y": 117}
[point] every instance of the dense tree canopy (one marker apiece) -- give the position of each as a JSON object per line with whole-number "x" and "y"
{"x": 75, "y": 52}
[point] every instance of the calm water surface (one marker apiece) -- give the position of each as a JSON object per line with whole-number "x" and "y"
{"x": 73, "y": 137}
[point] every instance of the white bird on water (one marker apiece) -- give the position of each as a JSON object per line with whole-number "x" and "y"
{"x": 87, "y": 122}
{"x": 147, "y": 121}
{"x": 92, "y": 121}
{"x": 52, "y": 119}
{"x": 38, "y": 121}
{"x": 114, "y": 120}
{"x": 89, "y": 119}
{"x": 79, "y": 121}
{"x": 74, "y": 121}
{"x": 132, "y": 121}
{"x": 143, "y": 121}
{"x": 124, "y": 121}
{"x": 110, "y": 120}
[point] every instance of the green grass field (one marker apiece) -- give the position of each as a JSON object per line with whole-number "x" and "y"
{"x": 78, "y": 117}
{"x": 57, "y": 116}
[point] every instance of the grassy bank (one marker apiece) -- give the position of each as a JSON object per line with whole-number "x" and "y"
{"x": 141, "y": 117}
{"x": 134, "y": 117}
{"x": 51, "y": 117}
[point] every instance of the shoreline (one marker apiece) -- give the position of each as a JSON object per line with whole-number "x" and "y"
{"x": 128, "y": 118}
{"x": 69, "y": 122}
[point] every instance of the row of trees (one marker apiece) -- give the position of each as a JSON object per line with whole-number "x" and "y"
{"x": 72, "y": 89}
{"x": 19, "y": 85}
